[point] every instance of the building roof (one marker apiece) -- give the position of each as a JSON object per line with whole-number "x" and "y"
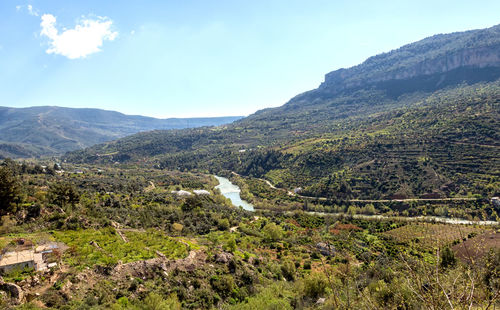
{"x": 201, "y": 192}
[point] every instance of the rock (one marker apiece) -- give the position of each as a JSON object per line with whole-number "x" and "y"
{"x": 14, "y": 290}
{"x": 320, "y": 301}
{"x": 223, "y": 258}
{"x": 160, "y": 254}
{"x": 325, "y": 249}
{"x": 442, "y": 62}
{"x": 35, "y": 281}
{"x": 182, "y": 193}
{"x": 95, "y": 244}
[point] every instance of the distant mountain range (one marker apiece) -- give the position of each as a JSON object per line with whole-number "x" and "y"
{"x": 47, "y": 130}
{"x": 422, "y": 119}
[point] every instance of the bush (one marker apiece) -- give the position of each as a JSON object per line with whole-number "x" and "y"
{"x": 315, "y": 285}
{"x": 448, "y": 258}
{"x": 288, "y": 270}
{"x": 224, "y": 285}
{"x": 155, "y": 302}
{"x": 273, "y": 232}
{"x": 307, "y": 265}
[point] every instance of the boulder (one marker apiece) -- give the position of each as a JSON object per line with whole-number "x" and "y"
{"x": 325, "y": 249}
{"x": 320, "y": 301}
{"x": 14, "y": 290}
{"x": 223, "y": 258}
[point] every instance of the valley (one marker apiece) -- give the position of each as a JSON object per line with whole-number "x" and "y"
{"x": 377, "y": 190}
{"x": 124, "y": 240}
{"x": 52, "y": 131}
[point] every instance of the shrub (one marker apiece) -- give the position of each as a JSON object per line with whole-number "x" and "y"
{"x": 307, "y": 265}
{"x": 155, "y": 302}
{"x": 448, "y": 258}
{"x": 273, "y": 232}
{"x": 288, "y": 270}
{"x": 315, "y": 285}
{"x": 224, "y": 285}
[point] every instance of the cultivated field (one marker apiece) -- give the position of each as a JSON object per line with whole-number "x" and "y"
{"x": 430, "y": 235}
{"x": 475, "y": 248}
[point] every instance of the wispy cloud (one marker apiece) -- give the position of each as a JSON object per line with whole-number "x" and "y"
{"x": 87, "y": 37}
{"x": 31, "y": 10}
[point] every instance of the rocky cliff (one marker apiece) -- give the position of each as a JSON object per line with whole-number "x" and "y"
{"x": 477, "y": 49}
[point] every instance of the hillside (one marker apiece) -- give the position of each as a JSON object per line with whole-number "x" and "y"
{"x": 28, "y": 132}
{"x": 123, "y": 238}
{"x": 422, "y": 119}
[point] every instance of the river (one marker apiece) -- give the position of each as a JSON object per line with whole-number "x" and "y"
{"x": 231, "y": 191}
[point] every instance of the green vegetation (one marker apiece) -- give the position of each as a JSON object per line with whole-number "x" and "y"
{"x": 68, "y": 129}
{"x": 9, "y": 191}
{"x": 130, "y": 243}
{"x": 379, "y": 138}
{"x": 105, "y": 247}
{"x": 438, "y": 145}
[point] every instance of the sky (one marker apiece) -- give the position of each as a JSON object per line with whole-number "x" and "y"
{"x": 193, "y": 58}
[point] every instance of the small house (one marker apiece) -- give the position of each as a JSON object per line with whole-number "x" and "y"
{"x": 21, "y": 260}
{"x": 27, "y": 258}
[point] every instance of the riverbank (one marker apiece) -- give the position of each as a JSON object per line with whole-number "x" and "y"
{"x": 232, "y": 191}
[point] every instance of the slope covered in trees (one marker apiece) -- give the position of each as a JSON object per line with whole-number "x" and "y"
{"x": 30, "y": 132}
{"x": 368, "y": 133}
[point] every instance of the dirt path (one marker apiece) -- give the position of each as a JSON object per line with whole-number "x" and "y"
{"x": 40, "y": 290}
{"x": 124, "y": 238}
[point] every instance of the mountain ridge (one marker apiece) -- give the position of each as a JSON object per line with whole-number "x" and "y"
{"x": 400, "y": 63}
{"x": 52, "y": 130}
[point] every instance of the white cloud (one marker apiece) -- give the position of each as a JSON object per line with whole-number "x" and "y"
{"x": 86, "y": 38}
{"x": 32, "y": 11}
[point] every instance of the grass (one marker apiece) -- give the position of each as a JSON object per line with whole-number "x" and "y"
{"x": 105, "y": 247}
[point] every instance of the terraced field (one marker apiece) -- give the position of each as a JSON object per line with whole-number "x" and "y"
{"x": 432, "y": 236}
{"x": 475, "y": 248}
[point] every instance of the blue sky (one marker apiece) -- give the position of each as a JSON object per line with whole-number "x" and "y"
{"x": 202, "y": 58}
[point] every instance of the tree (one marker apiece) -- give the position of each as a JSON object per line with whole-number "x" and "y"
{"x": 223, "y": 224}
{"x": 273, "y": 232}
{"x": 448, "y": 258}
{"x": 9, "y": 191}
{"x": 63, "y": 194}
{"x": 231, "y": 245}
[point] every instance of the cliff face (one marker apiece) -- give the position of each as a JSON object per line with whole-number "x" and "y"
{"x": 434, "y": 55}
